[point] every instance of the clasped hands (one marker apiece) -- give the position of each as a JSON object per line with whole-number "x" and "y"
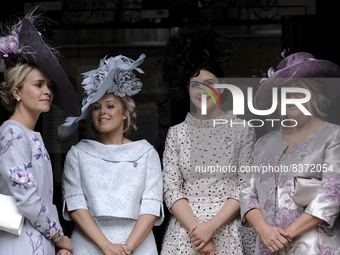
{"x": 201, "y": 236}
{"x": 65, "y": 246}
{"x": 274, "y": 238}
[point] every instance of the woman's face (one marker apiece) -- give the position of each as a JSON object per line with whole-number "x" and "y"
{"x": 36, "y": 94}
{"x": 108, "y": 114}
{"x": 292, "y": 111}
{"x": 196, "y": 92}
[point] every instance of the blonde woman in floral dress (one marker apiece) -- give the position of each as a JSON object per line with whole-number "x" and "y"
{"x": 33, "y": 79}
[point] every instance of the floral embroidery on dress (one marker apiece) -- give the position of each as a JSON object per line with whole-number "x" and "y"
{"x": 268, "y": 204}
{"x": 288, "y": 216}
{"x": 8, "y": 144}
{"x": 321, "y": 148}
{"x": 52, "y": 228}
{"x": 42, "y": 209}
{"x": 29, "y": 182}
{"x": 36, "y": 242}
{"x": 293, "y": 248}
{"x": 263, "y": 249}
{"x": 281, "y": 181}
{"x": 325, "y": 250}
{"x": 251, "y": 202}
{"x": 300, "y": 146}
{"x": 332, "y": 191}
{"x": 21, "y": 178}
{"x": 43, "y": 152}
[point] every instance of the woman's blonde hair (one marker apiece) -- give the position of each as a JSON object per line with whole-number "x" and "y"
{"x": 129, "y": 110}
{"x": 14, "y": 77}
{"x": 318, "y": 102}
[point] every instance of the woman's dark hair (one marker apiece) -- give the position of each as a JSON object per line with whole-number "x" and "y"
{"x": 191, "y": 49}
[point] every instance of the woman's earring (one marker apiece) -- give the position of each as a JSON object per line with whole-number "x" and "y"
{"x": 18, "y": 99}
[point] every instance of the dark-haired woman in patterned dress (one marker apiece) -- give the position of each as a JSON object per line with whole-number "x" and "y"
{"x": 200, "y": 191}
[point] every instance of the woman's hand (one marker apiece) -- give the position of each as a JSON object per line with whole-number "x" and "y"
{"x": 63, "y": 252}
{"x": 65, "y": 243}
{"x": 116, "y": 249}
{"x": 274, "y": 238}
{"x": 302, "y": 225}
{"x": 208, "y": 249}
{"x": 201, "y": 234}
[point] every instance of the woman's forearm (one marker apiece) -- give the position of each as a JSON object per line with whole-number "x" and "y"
{"x": 303, "y": 224}
{"x": 88, "y": 226}
{"x": 184, "y": 214}
{"x": 229, "y": 211}
{"x": 255, "y": 218}
{"x": 141, "y": 230}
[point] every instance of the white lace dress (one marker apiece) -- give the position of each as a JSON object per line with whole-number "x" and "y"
{"x": 191, "y": 146}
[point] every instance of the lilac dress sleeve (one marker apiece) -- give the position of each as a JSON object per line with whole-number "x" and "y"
{"x": 20, "y": 172}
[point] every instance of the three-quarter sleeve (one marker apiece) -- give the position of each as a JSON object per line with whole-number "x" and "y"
{"x": 17, "y": 168}
{"x": 248, "y": 193}
{"x": 326, "y": 203}
{"x": 73, "y": 195}
{"x": 248, "y": 196}
{"x": 172, "y": 175}
{"x": 245, "y": 158}
{"x": 152, "y": 196}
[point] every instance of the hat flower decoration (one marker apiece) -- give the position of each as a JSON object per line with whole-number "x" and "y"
{"x": 114, "y": 75}
{"x": 8, "y": 45}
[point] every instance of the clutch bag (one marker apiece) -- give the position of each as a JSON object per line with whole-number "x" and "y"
{"x": 305, "y": 189}
{"x": 11, "y": 219}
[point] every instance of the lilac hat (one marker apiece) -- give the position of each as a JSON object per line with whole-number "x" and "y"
{"x": 298, "y": 65}
{"x": 25, "y": 44}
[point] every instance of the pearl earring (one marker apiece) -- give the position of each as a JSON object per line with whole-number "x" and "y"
{"x": 18, "y": 99}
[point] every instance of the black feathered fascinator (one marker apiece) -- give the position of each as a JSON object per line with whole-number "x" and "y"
{"x": 190, "y": 50}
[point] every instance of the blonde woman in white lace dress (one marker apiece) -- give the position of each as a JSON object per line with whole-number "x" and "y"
{"x": 205, "y": 207}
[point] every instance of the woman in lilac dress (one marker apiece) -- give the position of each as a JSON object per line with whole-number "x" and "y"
{"x": 31, "y": 83}
{"x": 309, "y": 149}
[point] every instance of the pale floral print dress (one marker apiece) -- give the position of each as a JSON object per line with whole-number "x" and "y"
{"x": 26, "y": 174}
{"x": 319, "y": 154}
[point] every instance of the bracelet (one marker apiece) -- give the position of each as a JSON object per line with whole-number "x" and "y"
{"x": 106, "y": 247}
{"x": 127, "y": 247}
{"x": 61, "y": 235}
{"x": 213, "y": 224}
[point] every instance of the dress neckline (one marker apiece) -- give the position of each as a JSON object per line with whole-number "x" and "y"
{"x": 206, "y": 123}
{"x": 19, "y": 124}
{"x": 311, "y": 135}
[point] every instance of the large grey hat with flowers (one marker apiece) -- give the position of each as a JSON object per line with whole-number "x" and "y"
{"x": 114, "y": 75}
